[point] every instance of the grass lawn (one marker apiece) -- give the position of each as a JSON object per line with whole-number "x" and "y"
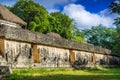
{"x": 66, "y": 74}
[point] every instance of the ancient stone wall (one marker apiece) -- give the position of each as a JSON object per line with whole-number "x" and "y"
{"x": 23, "y": 48}
{"x": 37, "y": 38}
{"x": 113, "y": 60}
{"x": 20, "y": 55}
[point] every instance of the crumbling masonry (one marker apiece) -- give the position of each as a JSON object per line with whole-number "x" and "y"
{"x": 20, "y": 48}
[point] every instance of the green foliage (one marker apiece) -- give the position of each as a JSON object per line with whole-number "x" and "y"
{"x": 100, "y": 36}
{"x": 65, "y": 26}
{"x": 32, "y": 26}
{"x": 78, "y": 35}
{"x": 115, "y": 8}
{"x": 116, "y": 47}
{"x": 62, "y": 24}
{"x": 117, "y": 22}
{"x": 34, "y": 14}
{"x": 38, "y": 19}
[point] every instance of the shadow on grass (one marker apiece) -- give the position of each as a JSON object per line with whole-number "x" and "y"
{"x": 65, "y": 77}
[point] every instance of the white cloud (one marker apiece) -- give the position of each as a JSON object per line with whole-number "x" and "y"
{"x": 85, "y": 19}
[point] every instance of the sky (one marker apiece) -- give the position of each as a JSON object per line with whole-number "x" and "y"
{"x": 85, "y": 13}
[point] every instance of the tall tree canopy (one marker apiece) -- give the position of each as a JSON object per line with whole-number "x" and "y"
{"x": 34, "y": 14}
{"x": 38, "y": 19}
{"x": 65, "y": 26}
{"x": 62, "y": 24}
{"x": 100, "y": 36}
{"x": 115, "y": 8}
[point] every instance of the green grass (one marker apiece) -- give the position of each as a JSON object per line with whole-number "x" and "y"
{"x": 66, "y": 74}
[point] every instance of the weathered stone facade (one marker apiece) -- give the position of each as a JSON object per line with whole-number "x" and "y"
{"x": 18, "y": 54}
{"x": 21, "y": 48}
{"x": 53, "y": 57}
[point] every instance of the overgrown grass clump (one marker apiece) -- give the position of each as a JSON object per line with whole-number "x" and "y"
{"x": 65, "y": 74}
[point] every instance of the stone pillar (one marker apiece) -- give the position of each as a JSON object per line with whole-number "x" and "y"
{"x": 72, "y": 57}
{"x": 108, "y": 59}
{"x": 35, "y": 54}
{"x": 94, "y": 59}
{"x": 2, "y": 48}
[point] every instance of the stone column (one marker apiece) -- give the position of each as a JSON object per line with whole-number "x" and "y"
{"x": 94, "y": 59}
{"x": 108, "y": 59}
{"x": 35, "y": 54}
{"x": 72, "y": 57}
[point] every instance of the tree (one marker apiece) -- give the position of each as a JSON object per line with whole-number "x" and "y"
{"x": 38, "y": 19}
{"x": 78, "y": 35}
{"x": 100, "y": 36}
{"x": 62, "y": 24}
{"x": 34, "y": 14}
{"x": 65, "y": 26}
{"x": 32, "y": 25}
{"x": 115, "y": 8}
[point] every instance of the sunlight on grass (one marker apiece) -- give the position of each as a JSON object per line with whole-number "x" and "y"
{"x": 65, "y": 74}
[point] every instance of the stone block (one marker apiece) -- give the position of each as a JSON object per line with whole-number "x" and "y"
{"x": 5, "y": 70}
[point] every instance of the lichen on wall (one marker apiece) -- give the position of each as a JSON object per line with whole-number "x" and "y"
{"x": 53, "y": 57}
{"x": 83, "y": 59}
{"x": 17, "y": 54}
{"x": 101, "y": 59}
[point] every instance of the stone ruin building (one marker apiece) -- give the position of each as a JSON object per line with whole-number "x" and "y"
{"x": 20, "y": 48}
